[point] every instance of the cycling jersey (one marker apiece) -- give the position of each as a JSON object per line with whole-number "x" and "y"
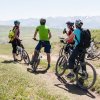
{"x": 69, "y": 33}
{"x": 43, "y": 32}
{"x": 77, "y": 33}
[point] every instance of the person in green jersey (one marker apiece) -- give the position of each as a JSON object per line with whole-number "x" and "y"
{"x": 44, "y": 40}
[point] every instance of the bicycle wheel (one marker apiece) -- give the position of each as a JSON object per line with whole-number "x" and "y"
{"x": 35, "y": 62}
{"x": 86, "y": 79}
{"x": 61, "y": 65}
{"x": 19, "y": 55}
{"x": 26, "y": 57}
{"x": 93, "y": 52}
{"x": 61, "y": 52}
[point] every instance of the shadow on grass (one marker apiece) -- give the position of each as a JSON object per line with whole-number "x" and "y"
{"x": 36, "y": 72}
{"x": 8, "y": 61}
{"x": 73, "y": 88}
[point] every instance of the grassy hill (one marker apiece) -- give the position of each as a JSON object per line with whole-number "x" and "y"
{"x": 16, "y": 83}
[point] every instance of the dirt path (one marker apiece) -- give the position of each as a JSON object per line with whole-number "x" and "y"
{"x": 53, "y": 84}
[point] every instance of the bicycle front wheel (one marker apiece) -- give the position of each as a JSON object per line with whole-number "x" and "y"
{"x": 26, "y": 57}
{"x": 61, "y": 52}
{"x": 61, "y": 65}
{"x": 19, "y": 55}
{"x": 86, "y": 79}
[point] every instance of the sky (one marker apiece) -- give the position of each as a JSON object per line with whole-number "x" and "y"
{"x": 23, "y": 9}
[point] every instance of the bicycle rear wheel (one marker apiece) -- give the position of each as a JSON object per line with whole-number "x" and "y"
{"x": 61, "y": 65}
{"x": 86, "y": 79}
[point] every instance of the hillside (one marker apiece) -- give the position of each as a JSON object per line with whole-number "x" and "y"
{"x": 92, "y": 22}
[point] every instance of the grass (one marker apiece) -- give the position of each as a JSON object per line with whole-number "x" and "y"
{"x": 96, "y": 87}
{"x": 18, "y": 84}
{"x": 5, "y": 49}
{"x": 96, "y": 34}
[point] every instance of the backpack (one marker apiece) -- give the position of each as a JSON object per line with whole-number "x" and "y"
{"x": 11, "y": 35}
{"x": 85, "y": 38}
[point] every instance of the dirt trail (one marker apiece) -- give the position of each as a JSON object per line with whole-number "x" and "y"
{"x": 54, "y": 85}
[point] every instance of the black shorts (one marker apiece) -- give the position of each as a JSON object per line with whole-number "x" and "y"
{"x": 15, "y": 43}
{"x": 45, "y": 44}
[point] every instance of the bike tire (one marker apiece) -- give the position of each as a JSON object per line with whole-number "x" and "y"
{"x": 61, "y": 60}
{"x": 35, "y": 62}
{"x": 19, "y": 56}
{"x": 96, "y": 53}
{"x": 93, "y": 81}
{"x": 61, "y": 52}
{"x": 26, "y": 57}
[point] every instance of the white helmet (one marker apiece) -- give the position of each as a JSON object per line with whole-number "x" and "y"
{"x": 78, "y": 23}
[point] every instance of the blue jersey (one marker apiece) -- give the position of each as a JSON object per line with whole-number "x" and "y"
{"x": 77, "y": 33}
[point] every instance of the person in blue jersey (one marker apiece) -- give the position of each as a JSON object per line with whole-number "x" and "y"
{"x": 77, "y": 49}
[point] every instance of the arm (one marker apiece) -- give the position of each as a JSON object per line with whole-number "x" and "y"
{"x": 64, "y": 31}
{"x": 50, "y": 35}
{"x": 36, "y": 31}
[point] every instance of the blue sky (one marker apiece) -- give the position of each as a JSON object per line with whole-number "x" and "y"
{"x": 17, "y": 9}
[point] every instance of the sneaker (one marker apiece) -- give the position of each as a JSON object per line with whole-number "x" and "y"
{"x": 70, "y": 75}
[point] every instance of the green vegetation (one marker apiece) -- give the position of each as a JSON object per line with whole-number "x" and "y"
{"x": 18, "y": 84}
{"x": 5, "y": 49}
{"x": 96, "y": 87}
{"x": 96, "y": 34}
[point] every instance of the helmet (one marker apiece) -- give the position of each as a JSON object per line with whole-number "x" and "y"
{"x": 16, "y": 22}
{"x": 70, "y": 23}
{"x": 42, "y": 21}
{"x": 78, "y": 23}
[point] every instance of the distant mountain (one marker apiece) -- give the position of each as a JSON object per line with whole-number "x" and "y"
{"x": 92, "y": 22}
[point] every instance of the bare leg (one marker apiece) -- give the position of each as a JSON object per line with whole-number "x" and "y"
{"x": 48, "y": 58}
{"x": 14, "y": 56}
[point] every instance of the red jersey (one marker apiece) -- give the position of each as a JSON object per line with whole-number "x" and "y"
{"x": 70, "y": 32}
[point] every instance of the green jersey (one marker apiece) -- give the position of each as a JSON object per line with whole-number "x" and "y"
{"x": 43, "y": 32}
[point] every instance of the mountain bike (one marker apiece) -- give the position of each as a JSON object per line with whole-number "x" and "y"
{"x": 62, "y": 50}
{"x": 36, "y": 59}
{"x": 93, "y": 51}
{"x": 85, "y": 79}
{"x": 66, "y": 49}
{"x": 22, "y": 54}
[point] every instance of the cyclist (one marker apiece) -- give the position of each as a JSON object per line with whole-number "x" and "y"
{"x": 70, "y": 26}
{"x": 44, "y": 40}
{"x": 77, "y": 49}
{"x": 69, "y": 40}
{"x": 16, "y": 40}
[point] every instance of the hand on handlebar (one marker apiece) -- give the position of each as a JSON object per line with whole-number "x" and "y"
{"x": 64, "y": 31}
{"x": 35, "y": 39}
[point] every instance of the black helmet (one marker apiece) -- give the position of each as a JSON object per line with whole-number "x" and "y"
{"x": 79, "y": 23}
{"x": 42, "y": 21}
{"x": 16, "y": 22}
{"x": 70, "y": 23}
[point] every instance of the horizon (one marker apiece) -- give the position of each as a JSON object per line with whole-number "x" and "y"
{"x": 21, "y": 9}
{"x": 50, "y": 17}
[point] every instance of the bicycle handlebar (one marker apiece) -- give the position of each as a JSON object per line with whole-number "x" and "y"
{"x": 35, "y": 39}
